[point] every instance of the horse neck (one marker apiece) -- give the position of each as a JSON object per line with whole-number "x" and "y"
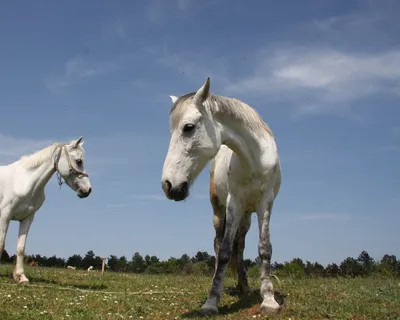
{"x": 41, "y": 174}
{"x": 254, "y": 146}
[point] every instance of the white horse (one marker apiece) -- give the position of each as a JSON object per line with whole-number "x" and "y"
{"x": 22, "y": 185}
{"x": 245, "y": 178}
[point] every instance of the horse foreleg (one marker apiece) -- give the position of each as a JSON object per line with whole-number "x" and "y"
{"x": 269, "y": 304}
{"x": 19, "y": 273}
{"x": 233, "y": 217}
{"x": 4, "y": 223}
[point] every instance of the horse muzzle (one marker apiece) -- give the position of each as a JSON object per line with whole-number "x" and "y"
{"x": 176, "y": 193}
{"x": 83, "y": 194}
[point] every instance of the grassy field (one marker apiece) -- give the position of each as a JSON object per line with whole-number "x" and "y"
{"x": 72, "y": 294}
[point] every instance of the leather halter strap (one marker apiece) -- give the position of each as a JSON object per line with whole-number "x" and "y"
{"x": 72, "y": 170}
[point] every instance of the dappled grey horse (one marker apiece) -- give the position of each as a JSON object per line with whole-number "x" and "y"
{"x": 245, "y": 178}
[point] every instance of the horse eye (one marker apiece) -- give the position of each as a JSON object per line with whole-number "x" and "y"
{"x": 79, "y": 162}
{"x": 188, "y": 127}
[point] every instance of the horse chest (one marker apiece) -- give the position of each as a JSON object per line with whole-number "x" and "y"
{"x": 250, "y": 194}
{"x": 25, "y": 208}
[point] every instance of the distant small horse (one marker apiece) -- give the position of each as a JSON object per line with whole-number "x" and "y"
{"x": 33, "y": 263}
{"x": 22, "y": 185}
{"x": 71, "y": 268}
{"x": 245, "y": 177}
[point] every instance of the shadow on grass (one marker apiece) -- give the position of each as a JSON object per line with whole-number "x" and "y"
{"x": 245, "y": 301}
{"x": 37, "y": 281}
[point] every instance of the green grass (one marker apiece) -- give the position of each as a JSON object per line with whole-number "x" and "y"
{"x": 73, "y": 294}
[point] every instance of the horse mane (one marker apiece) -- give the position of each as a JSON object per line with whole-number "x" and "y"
{"x": 36, "y": 159}
{"x": 221, "y": 106}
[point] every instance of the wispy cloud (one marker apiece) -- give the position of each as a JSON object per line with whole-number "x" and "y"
{"x": 117, "y": 205}
{"x": 11, "y": 148}
{"x": 80, "y": 68}
{"x": 324, "y": 216}
{"x": 159, "y": 10}
{"x": 313, "y": 80}
{"x": 321, "y": 78}
{"x": 389, "y": 148}
{"x": 307, "y": 183}
{"x": 355, "y": 20}
{"x": 395, "y": 130}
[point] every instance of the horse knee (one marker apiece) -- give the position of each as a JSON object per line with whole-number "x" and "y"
{"x": 20, "y": 250}
{"x": 265, "y": 251}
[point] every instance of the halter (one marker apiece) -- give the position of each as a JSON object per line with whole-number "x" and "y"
{"x": 72, "y": 170}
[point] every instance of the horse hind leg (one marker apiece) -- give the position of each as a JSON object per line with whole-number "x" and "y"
{"x": 237, "y": 264}
{"x": 269, "y": 304}
{"x": 218, "y": 215}
{"x": 219, "y": 225}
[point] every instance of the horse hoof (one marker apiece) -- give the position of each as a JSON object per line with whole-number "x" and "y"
{"x": 208, "y": 310}
{"x": 23, "y": 282}
{"x": 271, "y": 308}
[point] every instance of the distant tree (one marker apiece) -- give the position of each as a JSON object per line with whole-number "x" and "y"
{"x": 314, "y": 269}
{"x": 351, "y": 268}
{"x": 292, "y": 269}
{"x": 89, "y": 259}
{"x": 299, "y": 262}
{"x": 367, "y": 263}
{"x": 112, "y": 263}
{"x": 122, "y": 265}
{"x": 274, "y": 266}
{"x": 151, "y": 260}
{"x": 184, "y": 260}
{"x": 389, "y": 265}
{"x": 55, "y": 262}
{"x": 138, "y": 264}
{"x": 75, "y": 261}
{"x": 200, "y": 257}
{"x": 332, "y": 270}
{"x": 211, "y": 262}
{"x": 5, "y": 257}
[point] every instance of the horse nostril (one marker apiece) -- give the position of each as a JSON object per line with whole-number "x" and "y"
{"x": 185, "y": 187}
{"x": 90, "y": 190}
{"x": 166, "y": 186}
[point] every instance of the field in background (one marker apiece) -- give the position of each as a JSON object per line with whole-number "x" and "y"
{"x": 77, "y": 294}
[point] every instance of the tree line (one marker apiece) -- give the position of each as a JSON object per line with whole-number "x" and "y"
{"x": 203, "y": 264}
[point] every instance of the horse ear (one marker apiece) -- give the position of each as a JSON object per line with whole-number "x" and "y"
{"x": 173, "y": 98}
{"x": 78, "y": 142}
{"x": 203, "y": 93}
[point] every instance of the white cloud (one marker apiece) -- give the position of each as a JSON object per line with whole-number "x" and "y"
{"x": 321, "y": 78}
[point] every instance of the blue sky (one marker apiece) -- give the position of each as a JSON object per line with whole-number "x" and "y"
{"x": 325, "y": 75}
